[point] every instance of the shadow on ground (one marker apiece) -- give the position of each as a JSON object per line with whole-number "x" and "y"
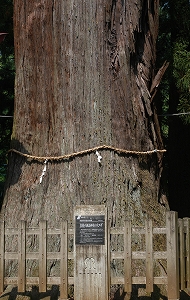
{"x": 185, "y": 295}
{"x": 11, "y": 293}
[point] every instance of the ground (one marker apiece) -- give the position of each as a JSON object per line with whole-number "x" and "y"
{"x": 53, "y": 294}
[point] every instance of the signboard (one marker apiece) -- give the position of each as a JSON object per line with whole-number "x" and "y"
{"x": 90, "y": 230}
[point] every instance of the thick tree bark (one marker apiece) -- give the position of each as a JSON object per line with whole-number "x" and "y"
{"x": 84, "y": 70}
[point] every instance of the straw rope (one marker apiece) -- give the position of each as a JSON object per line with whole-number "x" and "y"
{"x": 87, "y": 151}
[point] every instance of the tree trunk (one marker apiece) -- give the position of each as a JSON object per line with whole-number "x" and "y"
{"x": 83, "y": 75}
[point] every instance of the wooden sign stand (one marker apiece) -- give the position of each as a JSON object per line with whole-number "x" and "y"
{"x": 90, "y": 253}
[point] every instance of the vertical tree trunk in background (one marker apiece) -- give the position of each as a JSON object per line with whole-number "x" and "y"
{"x": 84, "y": 70}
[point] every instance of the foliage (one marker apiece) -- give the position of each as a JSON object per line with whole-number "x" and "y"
{"x": 174, "y": 46}
{"x": 6, "y": 84}
{"x": 180, "y": 10}
{"x": 181, "y": 72}
{"x": 6, "y": 106}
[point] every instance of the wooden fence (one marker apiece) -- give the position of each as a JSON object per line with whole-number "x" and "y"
{"x": 177, "y": 255}
{"x": 184, "y": 252}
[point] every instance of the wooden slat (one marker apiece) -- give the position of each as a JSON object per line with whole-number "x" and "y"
{"x": 141, "y": 230}
{"x": 117, "y": 280}
{"x": 11, "y": 231}
{"x": 173, "y": 255}
{"x": 71, "y": 280}
{"x": 70, "y": 231}
{"x": 56, "y": 281}
{"x": 127, "y": 257}
{"x": 54, "y": 231}
{"x": 32, "y": 231}
{"x": 10, "y": 280}
{"x": 117, "y": 255}
{"x": 181, "y": 254}
{"x": 160, "y": 255}
{"x": 42, "y": 257}
{"x": 187, "y": 242}
{"x": 64, "y": 261}
{"x": 50, "y": 255}
{"x": 35, "y": 280}
{"x": 109, "y": 255}
{"x": 10, "y": 255}
{"x": 139, "y": 280}
{"x": 114, "y": 230}
{"x": 2, "y": 249}
{"x": 35, "y": 255}
{"x": 22, "y": 257}
{"x": 159, "y": 230}
{"x": 139, "y": 255}
{"x": 149, "y": 256}
{"x": 137, "y": 230}
{"x": 160, "y": 280}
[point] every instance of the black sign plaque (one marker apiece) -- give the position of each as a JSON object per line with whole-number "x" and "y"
{"x": 90, "y": 230}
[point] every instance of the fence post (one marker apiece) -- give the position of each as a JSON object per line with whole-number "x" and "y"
{"x": 187, "y": 220}
{"x": 43, "y": 256}
{"x": 172, "y": 255}
{"x": 22, "y": 256}
{"x": 109, "y": 256}
{"x": 127, "y": 257}
{"x": 64, "y": 261}
{"x": 181, "y": 254}
{"x": 2, "y": 248}
{"x": 149, "y": 256}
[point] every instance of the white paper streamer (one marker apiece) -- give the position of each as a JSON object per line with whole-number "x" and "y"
{"x": 98, "y": 156}
{"x": 44, "y": 171}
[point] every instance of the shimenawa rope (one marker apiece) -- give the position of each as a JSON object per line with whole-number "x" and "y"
{"x": 87, "y": 151}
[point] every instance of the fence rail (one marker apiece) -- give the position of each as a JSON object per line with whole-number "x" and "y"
{"x": 177, "y": 254}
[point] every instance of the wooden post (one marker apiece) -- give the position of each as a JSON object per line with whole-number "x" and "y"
{"x": 181, "y": 254}
{"x": 22, "y": 256}
{"x": 172, "y": 255}
{"x": 149, "y": 256}
{"x": 2, "y": 249}
{"x": 127, "y": 257}
{"x": 43, "y": 256}
{"x": 64, "y": 261}
{"x": 109, "y": 255}
{"x": 187, "y": 220}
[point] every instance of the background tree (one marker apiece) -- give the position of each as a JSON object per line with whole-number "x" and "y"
{"x": 85, "y": 77}
{"x": 6, "y": 87}
{"x": 179, "y": 126}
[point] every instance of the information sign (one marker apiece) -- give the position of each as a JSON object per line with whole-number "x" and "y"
{"x": 90, "y": 230}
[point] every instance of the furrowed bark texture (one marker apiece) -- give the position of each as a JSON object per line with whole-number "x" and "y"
{"x": 83, "y": 74}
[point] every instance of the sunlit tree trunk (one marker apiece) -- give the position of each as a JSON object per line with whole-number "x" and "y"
{"x": 84, "y": 71}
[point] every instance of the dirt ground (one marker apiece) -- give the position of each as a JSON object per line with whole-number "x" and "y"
{"x": 53, "y": 294}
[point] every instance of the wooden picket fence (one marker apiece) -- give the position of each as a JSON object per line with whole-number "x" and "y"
{"x": 177, "y": 254}
{"x": 184, "y": 252}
